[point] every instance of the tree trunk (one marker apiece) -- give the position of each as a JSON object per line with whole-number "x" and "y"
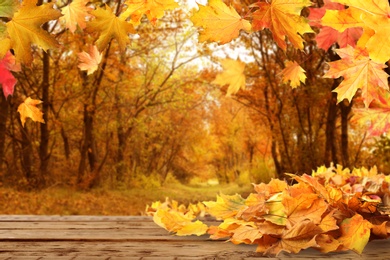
{"x": 27, "y": 152}
{"x": 44, "y": 142}
{"x": 345, "y": 110}
{"x": 330, "y": 143}
{"x": 3, "y": 127}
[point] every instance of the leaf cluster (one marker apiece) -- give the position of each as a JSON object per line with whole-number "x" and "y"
{"x": 333, "y": 209}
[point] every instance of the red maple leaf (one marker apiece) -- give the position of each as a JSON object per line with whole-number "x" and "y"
{"x": 7, "y": 80}
{"x": 327, "y": 35}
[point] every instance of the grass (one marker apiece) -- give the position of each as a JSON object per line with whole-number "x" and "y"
{"x": 68, "y": 201}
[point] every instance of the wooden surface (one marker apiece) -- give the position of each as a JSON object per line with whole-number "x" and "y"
{"x": 94, "y": 237}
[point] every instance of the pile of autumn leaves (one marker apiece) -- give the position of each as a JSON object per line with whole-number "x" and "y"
{"x": 333, "y": 209}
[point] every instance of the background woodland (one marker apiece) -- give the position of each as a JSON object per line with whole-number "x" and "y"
{"x": 152, "y": 113}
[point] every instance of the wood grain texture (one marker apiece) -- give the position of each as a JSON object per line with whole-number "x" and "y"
{"x": 101, "y": 237}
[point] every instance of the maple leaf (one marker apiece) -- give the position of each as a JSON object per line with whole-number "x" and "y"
{"x": 247, "y": 234}
{"x": 376, "y": 118}
{"x": 301, "y": 236}
{"x": 220, "y": 23}
{"x": 226, "y": 206}
{"x": 90, "y": 61}
{"x": 276, "y": 211}
{"x": 372, "y": 17}
{"x": 359, "y": 72}
{"x": 28, "y": 109}
{"x": 293, "y": 73}
{"x": 328, "y": 35}
{"x": 7, "y": 80}
{"x": 327, "y": 243}
{"x": 255, "y": 207}
{"x": 179, "y": 223}
{"x": 304, "y": 207}
{"x": 8, "y": 7}
{"x": 5, "y": 42}
{"x": 273, "y": 187}
{"x": 355, "y": 233}
{"x": 75, "y": 14}
{"x": 109, "y": 26}
{"x": 283, "y": 19}
{"x": 25, "y": 29}
{"x": 153, "y": 9}
{"x": 329, "y": 223}
{"x": 233, "y": 75}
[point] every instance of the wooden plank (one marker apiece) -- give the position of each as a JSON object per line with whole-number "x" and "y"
{"x": 178, "y": 249}
{"x": 57, "y": 218}
{"x": 97, "y": 237}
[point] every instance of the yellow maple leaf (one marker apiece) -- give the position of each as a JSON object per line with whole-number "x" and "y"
{"x": 226, "y": 206}
{"x": 28, "y": 109}
{"x": 75, "y": 14}
{"x": 283, "y": 18}
{"x": 233, "y": 75}
{"x": 359, "y": 72}
{"x": 153, "y": 9}
{"x": 25, "y": 29}
{"x": 90, "y": 61}
{"x": 355, "y": 233}
{"x": 293, "y": 73}
{"x": 109, "y": 26}
{"x": 177, "y": 222}
{"x": 220, "y": 23}
{"x": 373, "y": 17}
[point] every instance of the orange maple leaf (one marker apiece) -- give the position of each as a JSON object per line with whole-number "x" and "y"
{"x": 109, "y": 26}
{"x": 301, "y": 236}
{"x": 283, "y": 18}
{"x": 373, "y": 17}
{"x": 355, "y": 233}
{"x": 220, "y": 23}
{"x": 75, "y": 14}
{"x": 305, "y": 206}
{"x": 359, "y": 72}
{"x": 153, "y": 9}
{"x": 25, "y": 29}
{"x": 90, "y": 61}
{"x": 28, "y": 109}
{"x": 233, "y": 76}
{"x": 293, "y": 73}
{"x": 376, "y": 118}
